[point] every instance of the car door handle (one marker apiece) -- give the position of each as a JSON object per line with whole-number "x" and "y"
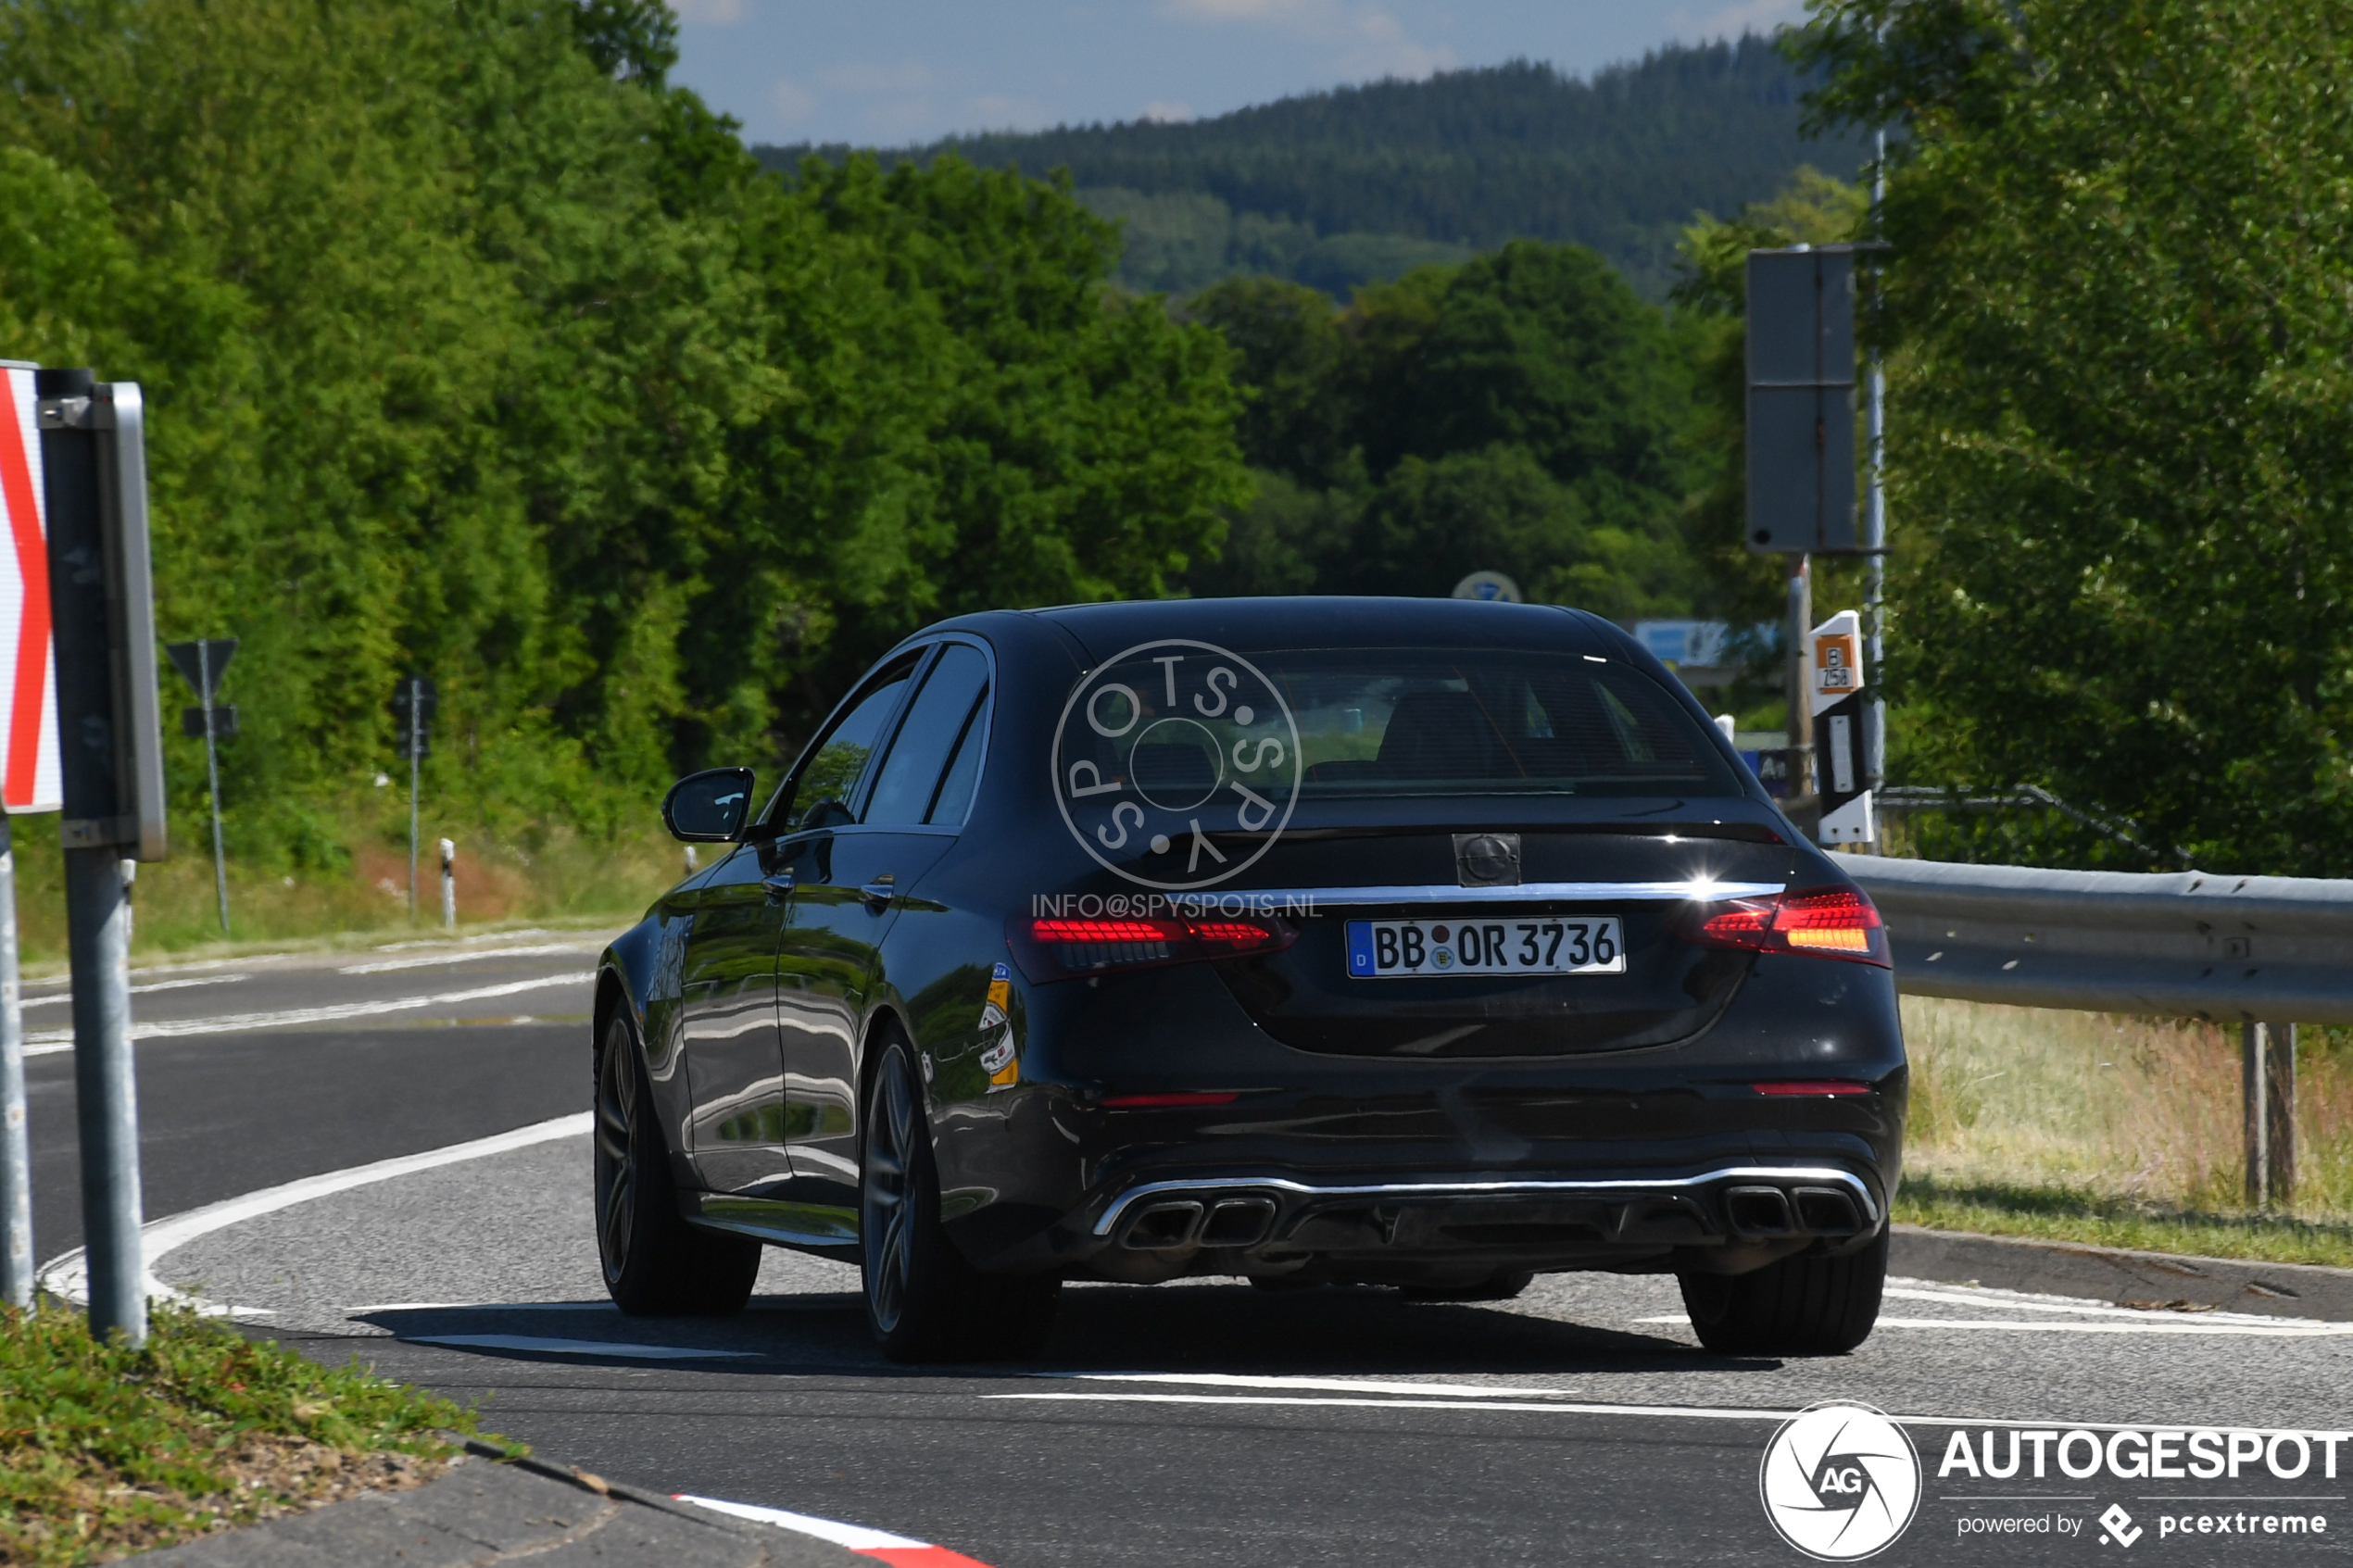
{"x": 779, "y": 886}
{"x": 879, "y": 892}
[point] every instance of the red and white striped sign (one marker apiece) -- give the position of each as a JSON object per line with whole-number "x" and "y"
{"x": 29, "y": 780}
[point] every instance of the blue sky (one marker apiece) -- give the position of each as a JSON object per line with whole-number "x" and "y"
{"x": 892, "y": 71}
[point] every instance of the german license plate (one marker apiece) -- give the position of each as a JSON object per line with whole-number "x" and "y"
{"x": 1417, "y": 949}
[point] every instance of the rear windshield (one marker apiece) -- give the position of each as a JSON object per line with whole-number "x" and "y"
{"x": 1377, "y": 722}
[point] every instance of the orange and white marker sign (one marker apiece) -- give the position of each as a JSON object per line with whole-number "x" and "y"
{"x": 1838, "y": 658}
{"x": 30, "y": 777}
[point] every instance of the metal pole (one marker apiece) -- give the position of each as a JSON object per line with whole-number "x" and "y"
{"x": 212, "y": 773}
{"x": 1875, "y": 522}
{"x": 1801, "y": 709}
{"x": 448, "y": 885}
{"x": 416, "y": 689}
{"x": 98, "y": 924}
{"x": 2279, "y": 1153}
{"x": 2254, "y": 1088}
{"x": 16, "y": 1162}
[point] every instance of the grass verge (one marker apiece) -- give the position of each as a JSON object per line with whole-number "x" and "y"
{"x": 106, "y": 1451}
{"x": 2115, "y": 1131}
{"x": 2054, "y": 1214}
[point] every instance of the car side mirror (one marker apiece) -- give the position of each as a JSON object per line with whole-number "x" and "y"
{"x": 709, "y": 807}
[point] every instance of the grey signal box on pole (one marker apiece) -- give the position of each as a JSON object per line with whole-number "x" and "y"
{"x": 1800, "y": 401}
{"x": 110, "y": 751}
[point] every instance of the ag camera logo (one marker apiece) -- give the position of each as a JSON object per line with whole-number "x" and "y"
{"x": 1166, "y": 746}
{"x": 1840, "y": 1482}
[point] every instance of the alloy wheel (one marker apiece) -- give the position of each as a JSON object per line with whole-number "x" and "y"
{"x": 888, "y": 1221}
{"x": 616, "y": 1155}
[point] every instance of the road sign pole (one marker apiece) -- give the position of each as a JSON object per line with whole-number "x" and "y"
{"x": 1875, "y": 520}
{"x": 105, "y": 1096}
{"x": 102, "y": 591}
{"x": 416, "y": 732}
{"x": 212, "y": 776}
{"x": 16, "y": 1162}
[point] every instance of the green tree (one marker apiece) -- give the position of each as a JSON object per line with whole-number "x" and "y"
{"x": 2125, "y": 312}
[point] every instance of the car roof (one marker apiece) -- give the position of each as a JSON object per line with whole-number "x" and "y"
{"x": 1320, "y": 620}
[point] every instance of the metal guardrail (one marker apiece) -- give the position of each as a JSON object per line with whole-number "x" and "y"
{"x": 2232, "y": 950}
{"x": 2262, "y": 952}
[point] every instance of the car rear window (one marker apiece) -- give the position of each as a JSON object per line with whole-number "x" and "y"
{"x": 1407, "y": 722}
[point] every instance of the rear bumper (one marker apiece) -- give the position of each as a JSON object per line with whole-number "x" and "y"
{"x": 1722, "y": 1218}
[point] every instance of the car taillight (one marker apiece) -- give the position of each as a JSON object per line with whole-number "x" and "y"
{"x": 1050, "y": 948}
{"x": 1830, "y": 922}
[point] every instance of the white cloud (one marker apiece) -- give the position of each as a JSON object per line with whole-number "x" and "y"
{"x": 1166, "y": 114}
{"x": 1730, "y": 21}
{"x": 791, "y": 102}
{"x": 906, "y": 76}
{"x": 1364, "y": 40}
{"x": 994, "y": 111}
{"x": 709, "y": 13}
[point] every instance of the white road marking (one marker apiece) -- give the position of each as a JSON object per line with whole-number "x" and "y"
{"x": 538, "y": 950}
{"x": 68, "y": 1274}
{"x": 463, "y": 941}
{"x": 2085, "y": 1309}
{"x": 573, "y": 1347}
{"x": 1316, "y": 1384}
{"x": 852, "y": 1537}
{"x": 485, "y": 1306}
{"x": 1551, "y": 1407}
{"x": 53, "y": 1040}
{"x": 2291, "y": 1329}
{"x": 1567, "y": 1407}
{"x": 143, "y": 990}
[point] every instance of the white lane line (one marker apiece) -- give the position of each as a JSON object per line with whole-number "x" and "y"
{"x": 143, "y": 990}
{"x": 1565, "y": 1407}
{"x": 53, "y": 1040}
{"x": 853, "y": 1538}
{"x": 485, "y": 1306}
{"x": 538, "y": 950}
{"x": 1561, "y": 1407}
{"x": 2083, "y": 1309}
{"x": 463, "y": 941}
{"x": 857, "y": 1539}
{"x": 574, "y": 1347}
{"x": 68, "y": 1274}
{"x": 2289, "y": 1330}
{"x": 1312, "y": 1385}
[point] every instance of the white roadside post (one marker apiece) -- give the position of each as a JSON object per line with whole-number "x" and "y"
{"x": 448, "y": 885}
{"x": 30, "y": 779}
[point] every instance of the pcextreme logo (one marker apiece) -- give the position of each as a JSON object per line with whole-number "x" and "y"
{"x": 1839, "y": 1481}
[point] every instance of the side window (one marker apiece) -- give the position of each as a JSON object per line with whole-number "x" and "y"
{"x": 829, "y": 782}
{"x": 911, "y": 775}
{"x": 955, "y": 796}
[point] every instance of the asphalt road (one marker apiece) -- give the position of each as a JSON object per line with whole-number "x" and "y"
{"x": 1199, "y": 1422}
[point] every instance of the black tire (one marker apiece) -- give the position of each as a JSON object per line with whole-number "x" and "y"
{"x": 1797, "y": 1307}
{"x": 923, "y": 1301}
{"x": 656, "y": 1265}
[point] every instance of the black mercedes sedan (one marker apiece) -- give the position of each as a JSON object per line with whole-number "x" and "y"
{"x": 1418, "y": 942}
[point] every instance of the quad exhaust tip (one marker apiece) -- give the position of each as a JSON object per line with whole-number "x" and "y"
{"x": 1231, "y": 1222}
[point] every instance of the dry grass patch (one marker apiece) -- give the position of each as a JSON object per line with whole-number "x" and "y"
{"x": 2115, "y": 1130}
